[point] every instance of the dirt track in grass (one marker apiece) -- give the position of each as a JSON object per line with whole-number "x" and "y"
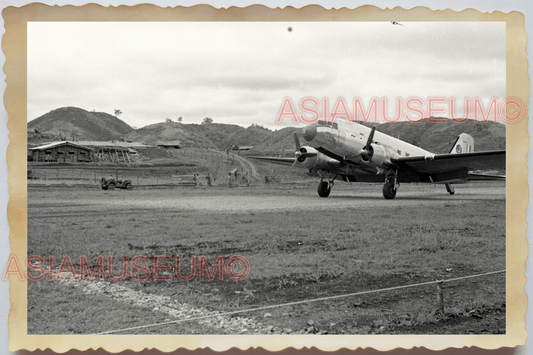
{"x": 300, "y": 247}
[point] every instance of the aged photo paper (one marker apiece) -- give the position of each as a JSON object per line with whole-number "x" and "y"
{"x": 150, "y": 208}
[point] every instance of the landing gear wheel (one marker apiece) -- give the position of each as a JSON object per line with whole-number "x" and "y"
{"x": 450, "y": 189}
{"x": 323, "y": 189}
{"x": 389, "y": 191}
{"x": 111, "y": 187}
{"x": 129, "y": 186}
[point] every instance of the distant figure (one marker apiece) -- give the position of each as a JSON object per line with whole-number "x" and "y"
{"x": 195, "y": 178}
{"x": 230, "y": 180}
{"x": 245, "y": 179}
{"x": 208, "y": 178}
{"x": 236, "y": 177}
{"x": 266, "y": 179}
{"x": 227, "y": 152}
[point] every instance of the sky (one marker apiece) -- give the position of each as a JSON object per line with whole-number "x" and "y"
{"x": 242, "y": 72}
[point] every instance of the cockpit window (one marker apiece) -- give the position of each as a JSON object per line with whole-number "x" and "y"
{"x": 328, "y": 124}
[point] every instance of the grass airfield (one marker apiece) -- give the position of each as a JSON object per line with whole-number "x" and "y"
{"x": 300, "y": 247}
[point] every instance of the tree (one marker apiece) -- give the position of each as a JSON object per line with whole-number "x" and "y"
{"x": 207, "y": 120}
{"x": 168, "y": 120}
{"x": 180, "y": 119}
{"x": 118, "y": 112}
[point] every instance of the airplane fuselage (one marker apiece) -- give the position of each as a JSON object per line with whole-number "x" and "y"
{"x": 347, "y": 140}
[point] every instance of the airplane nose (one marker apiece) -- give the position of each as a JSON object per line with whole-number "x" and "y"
{"x": 309, "y": 132}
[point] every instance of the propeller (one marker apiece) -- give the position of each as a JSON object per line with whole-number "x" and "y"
{"x": 300, "y": 154}
{"x": 288, "y": 172}
{"x": 296, "y": 141}
{"x": 367, "y": 152}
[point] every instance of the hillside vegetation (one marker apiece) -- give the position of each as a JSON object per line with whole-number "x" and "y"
{"x": 71, "y": 123}
{"x": 440, "y": 137}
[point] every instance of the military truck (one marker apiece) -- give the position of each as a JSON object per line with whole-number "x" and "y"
{"x": 112, "y": 183}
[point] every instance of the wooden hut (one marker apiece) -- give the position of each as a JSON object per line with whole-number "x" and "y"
{"x": 62, "y": 152}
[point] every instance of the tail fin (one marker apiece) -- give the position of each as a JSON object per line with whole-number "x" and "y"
{"x": 463, "y": 144}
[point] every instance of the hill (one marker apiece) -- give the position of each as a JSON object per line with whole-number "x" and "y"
{"x": 439, "y": 137}
{"x": 251, "y": 136}
{"x": 281, "y": 140}
{"x": 188, "y": 135}
{"x": 213, "y": 135}
{"x": 78, "y": 124}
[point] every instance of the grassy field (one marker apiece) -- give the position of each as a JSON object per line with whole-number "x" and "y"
{"x": 320, "y": 248}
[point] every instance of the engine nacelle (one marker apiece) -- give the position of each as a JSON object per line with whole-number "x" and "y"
{"x": 311, "y": 158}
{"x": 377, "y": 156}
{"x": 305, "y": 161}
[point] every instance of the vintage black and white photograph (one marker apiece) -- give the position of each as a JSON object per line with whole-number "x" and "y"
{"x": 267, "y": 178}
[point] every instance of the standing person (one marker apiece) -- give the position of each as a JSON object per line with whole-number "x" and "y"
{"x": 236, "y": 177}
{"x": 245, "y": 179}
{"x": 230, "y": 180}
{"x": 208, "y": 178}
{"x": 195, "y": 178}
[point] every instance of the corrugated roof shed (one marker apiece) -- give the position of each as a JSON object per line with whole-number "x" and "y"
{"x": 117, "y": 144}
{"x": 176, "y": 144}
{"x": 59, "y": 144}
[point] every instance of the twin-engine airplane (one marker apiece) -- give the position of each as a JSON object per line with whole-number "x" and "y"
{"x": 359, "y": 153}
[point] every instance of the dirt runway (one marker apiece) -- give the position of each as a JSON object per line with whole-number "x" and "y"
{"x": 265, "y": 198}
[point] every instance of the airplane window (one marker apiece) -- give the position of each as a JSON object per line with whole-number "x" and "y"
{"x": 324, "y": 123}
{"x": 335, "y": 125}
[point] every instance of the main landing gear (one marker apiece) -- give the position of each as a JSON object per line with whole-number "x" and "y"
{"x": 324, "y": 187}
{"x": 391, "y": 184}
{"x": 450, "y": 189}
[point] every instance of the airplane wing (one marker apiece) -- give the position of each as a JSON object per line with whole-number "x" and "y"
{"x": 478, "y": 176}
{"x": 276, "y": 160}
{"x": 450, "y": 167}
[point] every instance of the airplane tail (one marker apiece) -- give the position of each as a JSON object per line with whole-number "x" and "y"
{"x": 463, "y": 144}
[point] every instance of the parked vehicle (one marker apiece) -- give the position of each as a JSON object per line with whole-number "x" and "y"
{"x": 112, "y": 183}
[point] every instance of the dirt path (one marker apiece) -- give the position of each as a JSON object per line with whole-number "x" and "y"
{"x": 246, "y": 165}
